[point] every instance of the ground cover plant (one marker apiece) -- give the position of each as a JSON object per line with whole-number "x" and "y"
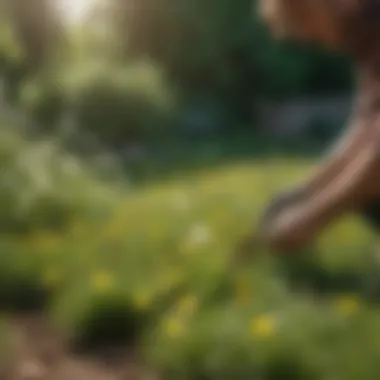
{"x": 156, "y": 271}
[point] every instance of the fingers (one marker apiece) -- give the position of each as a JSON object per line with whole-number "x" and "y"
{"x": 279, "y": 204}
{"x": 261, "y": 240}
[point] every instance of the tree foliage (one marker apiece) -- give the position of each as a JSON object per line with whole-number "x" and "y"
{"x": 217, "y": 50}
{"x": 222, "y": 45}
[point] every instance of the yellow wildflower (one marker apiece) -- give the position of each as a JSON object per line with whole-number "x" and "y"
{"x": 102, "y": 282}
{"x": 263, "y": 326}
{"x": 348, "y": 305}
{"x": 174, "y": 327}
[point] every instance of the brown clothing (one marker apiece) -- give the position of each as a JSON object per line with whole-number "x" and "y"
{"x": 350, "y": 179}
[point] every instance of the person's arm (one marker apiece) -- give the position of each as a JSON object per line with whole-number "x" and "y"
{"x": 336, "y": 160}
{"x": 351, "y": 186}
{"x": 325, "y": 173}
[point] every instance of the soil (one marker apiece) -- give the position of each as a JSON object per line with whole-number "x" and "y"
{"x": 39, "y": 352}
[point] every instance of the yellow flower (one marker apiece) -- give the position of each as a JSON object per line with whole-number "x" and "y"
{"x": 174, "y": 327}
{"x": 263, "y": 326}
{"x": 102, "y": 282}
{"x": 51, "y": 277}
{"x": 348, "y": 305}
{"x": 188, "y": 305}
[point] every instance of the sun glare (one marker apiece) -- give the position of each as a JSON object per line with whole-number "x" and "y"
{"x": 75, "y": 10}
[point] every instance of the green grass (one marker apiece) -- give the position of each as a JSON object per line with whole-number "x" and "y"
{"x": 157, "y": 271}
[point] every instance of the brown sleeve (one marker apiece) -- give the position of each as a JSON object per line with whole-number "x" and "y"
{"x": 351, "y": 187}
{"x": 340, "y": 156}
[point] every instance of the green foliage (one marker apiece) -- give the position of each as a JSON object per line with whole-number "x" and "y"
{"x": 12, "y": 65}
{"x": 98, "y": 320}
{"x": 157, "y": 270}
{"x": 42, "y": 185}
{"x": 44, "y": 100}
{"x": 116, "y": 104}
{"x": 155, "y": 266}
{"x": 21, "y": 288}
{"x": 121, "y": 104}
{"x": 223, "y": 46}
{"x": 219, "y": 49}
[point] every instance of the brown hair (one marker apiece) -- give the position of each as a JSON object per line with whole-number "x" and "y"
{"x": 352, "y": 26}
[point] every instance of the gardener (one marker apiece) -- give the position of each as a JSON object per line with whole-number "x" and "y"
{"x": 349, "y": 180}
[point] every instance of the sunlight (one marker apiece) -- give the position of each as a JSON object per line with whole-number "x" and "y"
{"x": 75, "y": 10}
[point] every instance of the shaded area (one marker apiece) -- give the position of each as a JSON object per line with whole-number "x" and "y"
{"x": 308, "y": 274}
{"x": 39, "y": 351}
{"x": 184, "y": 158}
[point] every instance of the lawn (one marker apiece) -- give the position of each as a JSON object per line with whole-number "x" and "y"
{"x": 157, "y": 270}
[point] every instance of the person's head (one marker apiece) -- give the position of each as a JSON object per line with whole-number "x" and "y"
{"x": 349, "y": 25}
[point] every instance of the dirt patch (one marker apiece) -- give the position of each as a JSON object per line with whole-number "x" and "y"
{"x": 39, "y": 352}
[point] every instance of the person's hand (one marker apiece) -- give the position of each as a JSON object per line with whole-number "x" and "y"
{"x": 281, "y": 226}
{"x": 279, "y": 203}
{"x": 290, "y": 231}
{"x": 256, "y": 242}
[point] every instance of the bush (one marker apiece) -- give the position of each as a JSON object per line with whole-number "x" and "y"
{"x": 12, "y": 62}
{"x": 44, "y": 100}
{"x": 94, "y": 320}
{"x": 21, "y": 288}
{"x": 120, "y": 105}
{"x": 115, "y": 104}
{"x": 42, "y": 186}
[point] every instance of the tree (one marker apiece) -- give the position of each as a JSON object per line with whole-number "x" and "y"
{"x": 221, "y": 46}
{"x": 37, "y": 27}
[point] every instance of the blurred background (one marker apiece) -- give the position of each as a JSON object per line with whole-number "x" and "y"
{"x": 139, "y": 140}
